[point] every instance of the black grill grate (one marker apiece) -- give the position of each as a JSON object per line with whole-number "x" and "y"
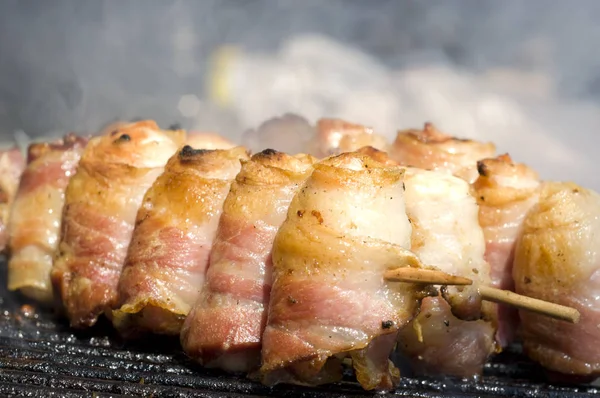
{"x": 41, "y": 356}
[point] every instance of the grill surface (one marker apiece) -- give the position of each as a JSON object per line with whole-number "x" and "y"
{"x": 41, "y": 356}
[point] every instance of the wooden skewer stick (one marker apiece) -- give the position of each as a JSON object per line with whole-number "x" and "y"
{"x": 426, "y": 276}
{"x": 435, "y": 277}
{"x": 542, "y": 307}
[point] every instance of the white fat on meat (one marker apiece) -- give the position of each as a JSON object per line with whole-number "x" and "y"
{"x": 446, "y": 234}
{"x": 446, "y": 231}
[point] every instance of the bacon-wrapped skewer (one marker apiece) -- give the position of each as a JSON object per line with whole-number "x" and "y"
{"x": 225, "y": 327}
{"x": 175, "y": 227}
{"x": 433, "y": 150}
{"x": 344, "y": 228}
{"x": 34, "y": 234}
{"x": 101, "y": 203}
{"x": 505, "y": 192}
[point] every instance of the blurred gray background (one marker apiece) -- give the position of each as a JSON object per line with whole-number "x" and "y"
{"x": 525, "y": 74}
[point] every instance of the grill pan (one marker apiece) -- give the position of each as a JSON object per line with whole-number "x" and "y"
{"x": 41, "y": 356}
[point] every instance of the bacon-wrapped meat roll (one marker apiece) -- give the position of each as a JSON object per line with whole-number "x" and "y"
{"x": 346, "y": 226}
{"x": 505, "y": 192}
{"x": 34, "y": 234}
{"x": 101, "y": 203}
{"x": 449, "y": 336}
{"x": 335, "y": 136}
{"x": 433, "y": 150}
{"x": 12, "y": 165}
{"x": 200, "y": 140}
{"x": 557, "y": 259}
{"x": 175, "y": 227}
{"x": 225, "y": 327}
{"x": 289, "y": 133}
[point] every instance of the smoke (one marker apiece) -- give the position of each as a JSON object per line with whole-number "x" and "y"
{"x": 522, "y": 74}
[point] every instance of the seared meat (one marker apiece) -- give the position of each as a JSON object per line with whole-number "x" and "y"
{"x": 34, "y": 234}
{"x": 438, "y": 343}
{"x": 558, "y": 259}
{"x": 346, "y": 226}
{"x": 505, "y": 192}
{"x": 446, "y": 234}
{"x": 175, "y": 227}
{"x": 225, "y": 327}
{"x": 101, "y": 202}
{"x": 433, "y": 150}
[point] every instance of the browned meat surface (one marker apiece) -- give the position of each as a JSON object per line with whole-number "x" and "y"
{"x": 101, "y": 203}
{"x": 36, "y": 215}
{"x": 558, "y": 259}
{"x": 505, "y": 192}
{"x": 171, "y": 244}
{"x": 431, "y": 149}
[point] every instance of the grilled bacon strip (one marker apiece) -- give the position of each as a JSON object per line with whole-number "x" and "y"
{"x": 431, "y": 149}
{"x": 225, "y": 327}
{"x": 345, "y": 227}
{"x": 175, "y": 227}
{"x": 558, "y": 259}
{"x": 448, "y": 337}
{"x": 505, "y": 192}
{"x": 34, "y": 234}
{"x": 12, "y": 165}
{"x": 101, "y": 203}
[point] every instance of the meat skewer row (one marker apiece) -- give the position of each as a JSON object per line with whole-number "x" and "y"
{"x": 304, "y": 341}
{"x": 447, "y": 337}
{"x": 34, "y": 234}
{"x": 386, "y": 362}
{"x": 196, "y": 338}
{"x": 505, "y": 192}
{"x": 172, "y": 240}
